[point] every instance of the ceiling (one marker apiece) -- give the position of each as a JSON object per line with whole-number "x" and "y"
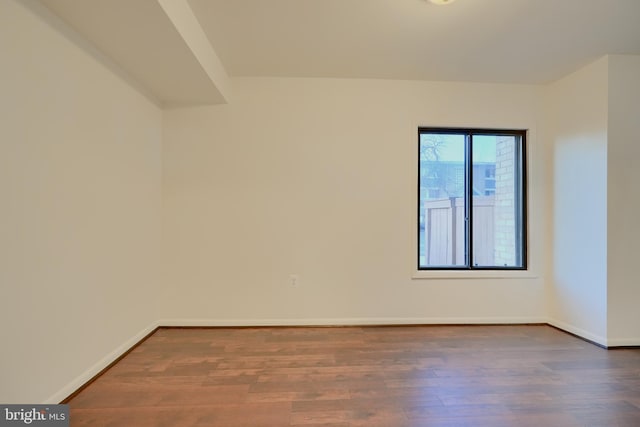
{"x": 506, "y": 41}
{"x": 515, "y": 41}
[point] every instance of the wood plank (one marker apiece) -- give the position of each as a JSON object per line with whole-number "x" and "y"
{"x": 365, "y": 376}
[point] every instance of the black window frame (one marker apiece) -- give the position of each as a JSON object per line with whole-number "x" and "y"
{"x": 521, "y": 214}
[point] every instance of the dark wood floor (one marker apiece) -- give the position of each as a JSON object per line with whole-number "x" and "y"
{"x": 366, "y": 376}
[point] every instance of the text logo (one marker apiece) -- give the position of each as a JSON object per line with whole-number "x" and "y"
{"x": 34, "y": 415}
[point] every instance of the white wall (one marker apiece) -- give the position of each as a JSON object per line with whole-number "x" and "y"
{"x": 623, "y": 292}
{"x": 576, "y": 130}
{"x": 317, "y": 177}
{"x": 80, "y": 168}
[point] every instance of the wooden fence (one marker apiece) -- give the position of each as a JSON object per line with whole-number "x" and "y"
{"x": 445, "y": 231}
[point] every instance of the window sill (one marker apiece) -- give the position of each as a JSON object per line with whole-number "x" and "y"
{"x": 472, "y": 274}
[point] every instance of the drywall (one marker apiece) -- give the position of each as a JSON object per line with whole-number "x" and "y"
{"x": 317, "y": 178}
{"x": 576, "y": 131}
{"x": 623, "y": 152}
{"x": 80, "y": 175}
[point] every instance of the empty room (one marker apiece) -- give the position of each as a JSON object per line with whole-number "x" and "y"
{"x": 319, "y": 212}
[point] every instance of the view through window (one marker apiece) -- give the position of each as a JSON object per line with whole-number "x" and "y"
{"x": 471, "y": 207}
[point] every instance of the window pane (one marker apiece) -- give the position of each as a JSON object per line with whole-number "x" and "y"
{"x": 442, "y": 228}
{"x": 471, "y": 205}
{"x": 496, "y": 201}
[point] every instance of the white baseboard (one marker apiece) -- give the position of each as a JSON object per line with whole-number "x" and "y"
{"x": 351, "y": 321}
{"x": 579, "y": 332}
{"x": 99, "y": 366}
{"x": 624, "y": 342}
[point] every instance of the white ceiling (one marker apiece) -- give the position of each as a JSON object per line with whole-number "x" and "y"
{"x": 516, "y": 41}
{"x": 509, "y": 41}
{"x": 142, "y": 38}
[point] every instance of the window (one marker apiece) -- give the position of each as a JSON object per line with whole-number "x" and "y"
{"x": 471, "y": 199}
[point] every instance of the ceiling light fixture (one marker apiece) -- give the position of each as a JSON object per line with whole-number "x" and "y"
{"x": 441, "y": 2}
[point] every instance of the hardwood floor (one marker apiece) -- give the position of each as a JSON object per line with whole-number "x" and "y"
{"x": 494, "y": 376}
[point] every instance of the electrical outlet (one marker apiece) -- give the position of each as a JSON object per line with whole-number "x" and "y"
{"x": 294, "y": 279}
